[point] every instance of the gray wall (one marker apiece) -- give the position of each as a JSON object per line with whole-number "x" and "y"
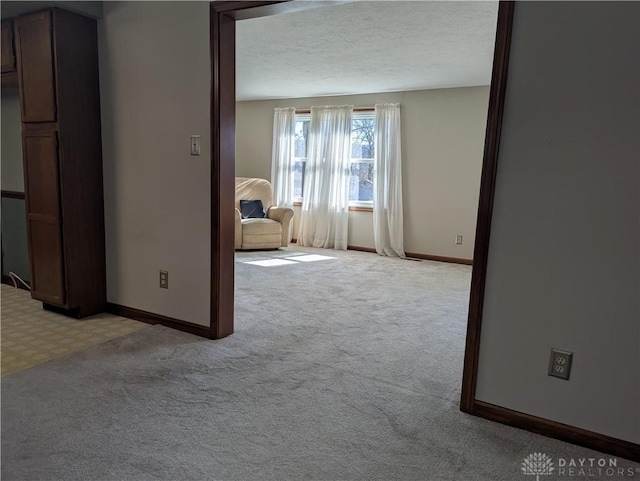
{"x": 155, "y": 92}
{"x": 14, "y": 225}
{"x": 14, "y": 238}
{"x": 564, "y": 265}
{"x": 12, "y": 174}
{"x": 442, "y": 144}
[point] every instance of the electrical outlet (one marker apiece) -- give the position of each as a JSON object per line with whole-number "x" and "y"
{"x": 164, "y": 279}
{"x": 459, "y": 239}
{"x": 560, "y": 364}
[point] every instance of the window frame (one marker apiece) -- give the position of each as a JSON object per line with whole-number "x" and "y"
{"x": 362, "y": 113}
{"x": 354, "y": 205}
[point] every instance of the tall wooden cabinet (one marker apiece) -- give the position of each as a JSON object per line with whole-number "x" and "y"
{"x": 57, "y": 65}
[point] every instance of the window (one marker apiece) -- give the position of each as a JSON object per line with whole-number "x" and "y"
{"x": 361, "y": 163}
{"x": 300, "y": 156}
{"x": 362, "y": 157}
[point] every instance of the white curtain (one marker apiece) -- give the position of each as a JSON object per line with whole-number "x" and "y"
{"x": 387, "y": 189}
{"x": 325, "y": 207}
{"x": 282, "y": 154}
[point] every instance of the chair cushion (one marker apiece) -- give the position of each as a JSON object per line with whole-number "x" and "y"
{"x": 251, "y": 209}
{"x": 261, "y": 233}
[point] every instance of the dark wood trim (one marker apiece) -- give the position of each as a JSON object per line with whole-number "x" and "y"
{"x": 47, "y": 219}
{"x": 485, "y": 203}
{"x": 7, "y": 280}
{"x": 233, "y": 8}
{"x": 150, "y": 318}
{"x": 223, "y": 72}
{"x": 361, "y": 249}
{"x": 297, "y": 204}
{"x": 11, "y": 194}
{"x": 242, "y": 10}
{"x": 552, "y": 429}
{"x": 451, "y": 260}
{"x": 349, "y": 247}
{"x": 34, "y": 128}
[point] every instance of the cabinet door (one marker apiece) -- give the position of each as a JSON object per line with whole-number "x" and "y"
{"x": 42, "y": 189}
{"x": 34, "y": 50}
{"x": 8, "y": 57}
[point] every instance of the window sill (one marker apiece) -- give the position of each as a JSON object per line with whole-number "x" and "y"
{"x": 352, "y": 208}
{"x": 359, "y": 208}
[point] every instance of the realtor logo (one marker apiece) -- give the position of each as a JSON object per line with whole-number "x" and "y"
{"x": 537, "y": 464}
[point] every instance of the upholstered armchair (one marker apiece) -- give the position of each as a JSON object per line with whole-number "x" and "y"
{"x": 269, "y": 232}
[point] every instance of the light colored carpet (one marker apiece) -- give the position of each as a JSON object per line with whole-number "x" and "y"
{"x": 30, "y": 335}
{"x": 340, "y": 369}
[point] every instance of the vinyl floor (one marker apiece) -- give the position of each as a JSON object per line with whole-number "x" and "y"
{"x": 29, "y": 335}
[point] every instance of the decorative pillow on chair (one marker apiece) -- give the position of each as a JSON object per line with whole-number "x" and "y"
{"x": 251, "y": 209}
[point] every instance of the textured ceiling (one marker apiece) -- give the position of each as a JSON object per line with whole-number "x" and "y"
{"x": 366, "y": 47}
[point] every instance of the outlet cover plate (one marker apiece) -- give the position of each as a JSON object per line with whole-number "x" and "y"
{"x": 560, "y": 364}
{"x": 164, "y": 279}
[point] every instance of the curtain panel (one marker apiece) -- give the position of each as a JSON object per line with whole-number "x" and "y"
{"x": 325, "y": 207}
{"x": 387, "y": 190}
{"x": 282, "y": 155}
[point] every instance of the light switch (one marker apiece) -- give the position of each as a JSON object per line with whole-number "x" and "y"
{"x": 195, "y": 145}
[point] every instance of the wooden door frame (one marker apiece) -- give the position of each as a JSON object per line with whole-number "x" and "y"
{"x": 485, "y": 202}
{"x": 223, "y": 17}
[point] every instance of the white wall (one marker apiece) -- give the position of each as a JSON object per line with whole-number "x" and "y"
{"x": 564, "y": 265}
{"x": 154, "y": 87}
{"x": 442, "y": 142}
{"x": 12, "y": 174}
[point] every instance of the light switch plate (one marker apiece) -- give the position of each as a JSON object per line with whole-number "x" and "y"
{"x": 195, "y": 144}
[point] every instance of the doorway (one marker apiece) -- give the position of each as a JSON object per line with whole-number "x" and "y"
{"x": 223, "y": 16}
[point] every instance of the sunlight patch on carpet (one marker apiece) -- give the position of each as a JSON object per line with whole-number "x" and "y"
{"x": 278, "y": 261}
{"x": 270, "y": 262}
{"x": 311, "y": 258}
